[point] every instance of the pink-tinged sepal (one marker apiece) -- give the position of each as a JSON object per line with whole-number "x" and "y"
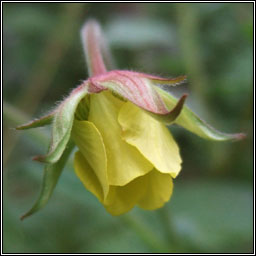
{"x": 132, "y": 86}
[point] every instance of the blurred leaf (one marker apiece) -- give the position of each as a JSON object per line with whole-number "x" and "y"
{"x": 216, "y": 216}
{"x": 137, "y": 32}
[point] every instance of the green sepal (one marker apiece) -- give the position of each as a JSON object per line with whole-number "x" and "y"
{"x": 62, "y": 125}
{"x": 171, "y": 116}
{"x": 51, "y": 176}
{"x": 190, "y": 121}
{"x": 42, "y": 121}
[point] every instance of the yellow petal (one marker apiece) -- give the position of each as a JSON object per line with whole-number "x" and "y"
{"x": 87, "y": 175}
{"x": 159, "y": 190}
{"x": 121, "y": 199}
{"x": 151, "y": 138}
{"x": 125, "y": 162}
{"x": 90, "y": 143}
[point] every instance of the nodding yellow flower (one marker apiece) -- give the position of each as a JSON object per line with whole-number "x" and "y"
{"x": 125, "y": 156}
{"x": 117, "y": 119}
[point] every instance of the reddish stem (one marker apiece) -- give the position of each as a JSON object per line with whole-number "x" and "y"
{"x": 91, "y": 37}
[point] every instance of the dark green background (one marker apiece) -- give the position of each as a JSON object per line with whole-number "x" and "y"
{"x": 211, "y": 209}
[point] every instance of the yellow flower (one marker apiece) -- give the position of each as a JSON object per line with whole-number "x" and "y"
{"x": 125, "y": 156}
{"x": 117, "y": 120}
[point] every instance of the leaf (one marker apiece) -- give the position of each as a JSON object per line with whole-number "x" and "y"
{"x": 44, "y": 120}
{"x": 51, "y": 176}
{"x": 193, "y": 123}
{"x": 62, "y": 125}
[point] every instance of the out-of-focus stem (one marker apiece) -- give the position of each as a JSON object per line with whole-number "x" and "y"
{"x": 168, "y": 226}
{"x": 187, "y": 21}
{"x": 175, "y": 241}
{"x": 145, "y": 233}
{"x": 44, "y": 71}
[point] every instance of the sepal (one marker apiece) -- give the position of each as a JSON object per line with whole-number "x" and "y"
{"x": 62, "y": 124}
{"x": 42, "y": 121}
{"x": 190, "y": 121}
{"x": 171, "y": 116}
{"x": 52, "y": 173}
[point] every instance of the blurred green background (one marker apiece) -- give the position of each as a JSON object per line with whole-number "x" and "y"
{"x": 211, "y": 210}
